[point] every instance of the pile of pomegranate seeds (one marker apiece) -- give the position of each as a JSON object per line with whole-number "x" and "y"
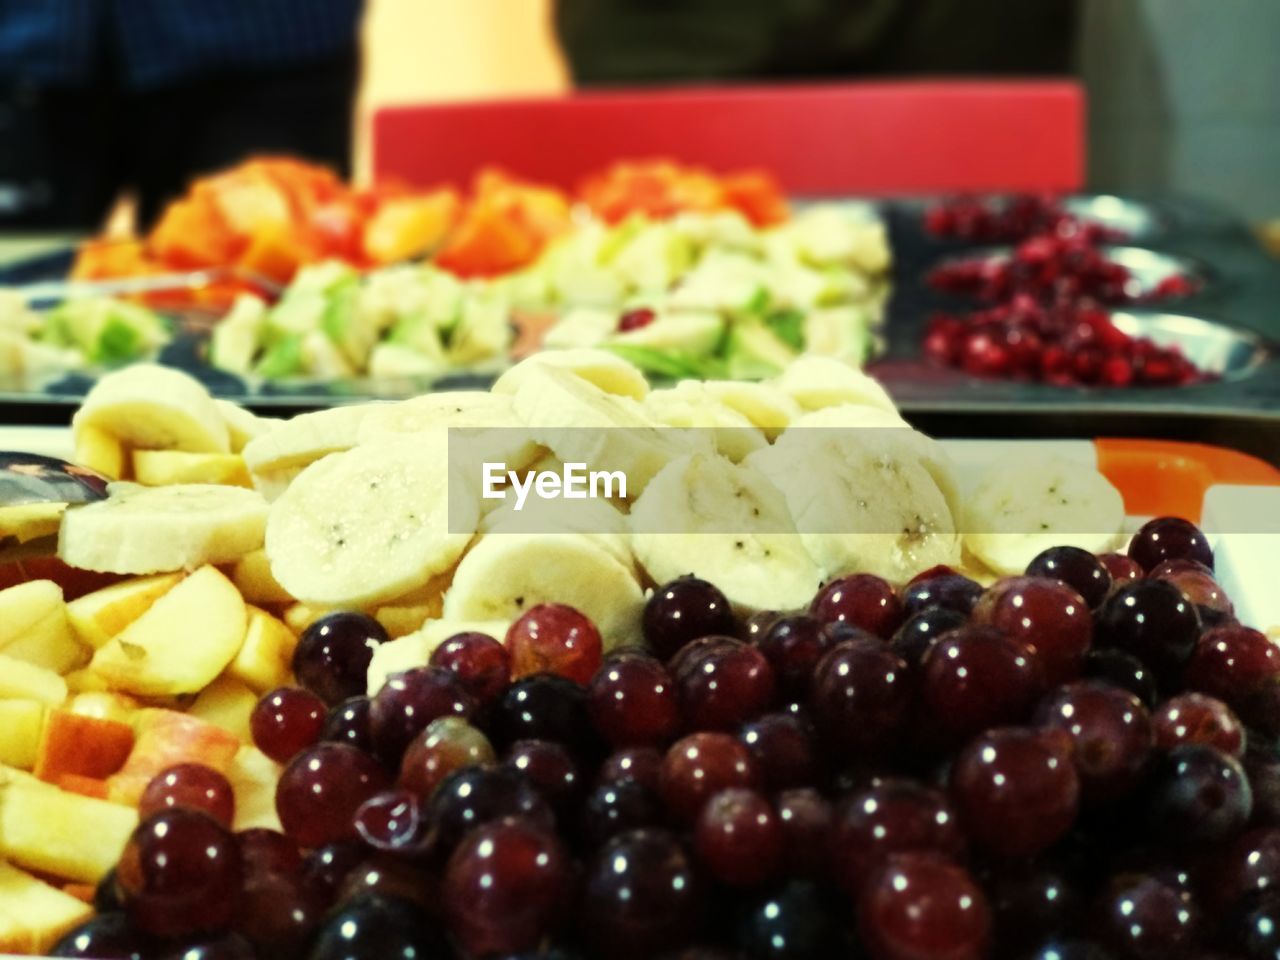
{"x": 1008, "y": 221}
{"x": 1062, "y": 344}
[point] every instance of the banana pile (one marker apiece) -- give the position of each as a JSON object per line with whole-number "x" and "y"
{"x": 767, "y": 489}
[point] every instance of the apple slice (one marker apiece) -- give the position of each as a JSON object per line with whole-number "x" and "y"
{"x": 33, "y": 915}
{"x": 226, "y": 703}
{"x": 265, "y": 660}
{"x": 97, "y": 617}
{"x": 20, "y": 723}
{"x": 34, "y": 628}
{"x": 104, "y": 706}
{"x": 164, "y": 738}
{"x": 159, "y": 468}
{"x": 252, "y": 574}
{"x": 84, "y": 746}
{"x": 62, "y": 834}
{"x": 25, "y": 681}
{"x": 186, "y": 638}
{"x": 100, "y": 451}
{"x": 253, "y": 776}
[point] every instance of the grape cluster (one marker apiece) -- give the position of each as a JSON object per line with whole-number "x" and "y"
{"x": 1081, "y": 762}
{"x": 1025, "y": 215}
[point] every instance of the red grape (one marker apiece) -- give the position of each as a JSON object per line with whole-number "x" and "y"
{"x": 1195, "y": 718}
{"x": 861, "y": 600}
{"x": 286, "y": 721}
{"x": 950, "y": 591}
{"x": 616, "y": 807}
{"x": 408, "y": 702}
{"x": 554, "y": 638}
{"x": 481, "y": 662}
{"x": 804, "y": 817}
{"x": 1169, "y": 538}
{"x": 278, "y": 910}
{"x": 919, "y": 905}
{"x": 1016, "y": 790}
{"x": 1146, "y": 919}
{"x": 682, "y": 611}
{"x": 549, "y": 767}
{"x": 1078, "y": 569}
{"x": 1121, "y": 568}
{"x": 1197, "y": 584}
{"x": 861, "y": 697}
{"x": 333, "y": 654}
{"x": 793, "y": 646}
{"x": 727, "y": 687}
{"x": 737, "y": 837}
{"x": 193, "y": 786}
{"x": 321, "y": 789}
{"x": 1230, "y": 662}
{"x": 1046, "y": 614}
{"x": 1250, "y": 865}
{"x": 783, "y": 747}
{"x": 700, "y": 765}
{"x": 643, "y": 764}
{"x": 348, "y": 722}
{"x": 447, "y": 744}
{"x": 632, "y": 701}
{"x": 180, "y": 874}
{"x": 1198, "y": 796}
{"x": 392, "y": 821}
{"x": 1111, "y": 735}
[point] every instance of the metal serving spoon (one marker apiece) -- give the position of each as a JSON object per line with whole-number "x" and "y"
{"x": 35, "y": 490}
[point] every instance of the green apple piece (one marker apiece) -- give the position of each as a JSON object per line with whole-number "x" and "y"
{"x": 692, "y": 333}
{"x": 840, "y": 332}
{"x": 654, "y": 258}
{"x": 723, "y": 282}
{"x": 418, "y": 332}
{"x": 581, "y": 327}
{"x": 667, "y": 364}
{"x": 754, "y": 352}
{"x": 395, "y": 360}
{"x": 483, "y": 333}
{"x": 282, "y": 359}
{"x": 352, "y": 330}
{"x": 236, "y": 338}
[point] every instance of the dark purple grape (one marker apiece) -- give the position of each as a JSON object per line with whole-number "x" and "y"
{"x": 1146, "y": 919}
{"x": 793, "y": 646}
{"x": 1031, "y": 902}
{"x": 321, "y": 789}
{"x": 180, "y": 874}
{"x": 633, "y": 701}
{"x": 333, "y": 654}
{"x": 614, "y": 808}
{"x": 1249, "y": 866}
{"x": 392, "y": 821}
{"x": 1078, "y": 569}
{"x": 1153, "y": 621}
{"x": 805, "y": 818}
{"x": 1254, "y": 929}
{"x": 382, "y": 927}
{"x": 477, "y": 795}
{"x": 107, "y": 936}
{"x": 948, "y": 592}
{"x": 1199, "y": 796}
{"x": 1260, "y": 709}
{"x": 684, "y": 610}
{"x": 1070, "y": 950}
{"x": 348, "y": 722}
{"x": 1169, "y": 538}
{"x": 410, "y": 700}
{"x": 400, "y": 877}
{"x": 784, "y": 750}
{"x": 1122, "y": 670}
{"x": 861, "y": 697}
{"x": 1111, "y": 734}
{"x": 917, "y": 635}
{"x": 640, "y": 896}
{"x": 227, "y": 946}
{"x": 795, "y": 921}
{"x": 279, "y": 909}
{"x": 481, "y": 663}
{"x": 545, "y": 707}
{"x": 549, "y": 767}
{"x": 642, "y": 764}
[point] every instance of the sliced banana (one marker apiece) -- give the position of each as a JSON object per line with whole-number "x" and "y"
{"x": 1022, "y": 507}
{"x": 728, "y": 524}
{"x": 276, "y": 457}
{"x": 763, "y": 404}
{"x": 815, "y": 382}
{"x": 370, "y": 523}
{"x": 583, "y": 424}
{"x": 690, "y": 405}
{"x": 861, "y": 505}
{"x": 155, "y": 408}
{"x": 243, "y": 425}
{"x": 601, "y": 368}
{"x": 140, "y": 529}
{"x": 505, "y": 574}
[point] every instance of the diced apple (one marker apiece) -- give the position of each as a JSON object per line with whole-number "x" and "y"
{"x": 253, "y": 776}
{"x": 34, "y": 915}
{"x": 28, "y": 522}
{"x": 104, "y": 706}
{"x": 164, "y": 738}
{"x": 159, "y": 468}
{"x": 252, "y": 575}
{"x": 62, "y": 834}
{"x": 20, "y": 723}
{"x": 34, "y": 628}
{"x": 100, "y": 451}
{"x": 302, "y": 615}
{"x": 85, "y": 746}
{"x": 226, "y": 703}
{"x": 401, "y": 621}
{"x": 181, "y": 643}
{"x": 86, "y": 681}
{"x": 265, "y": 659}
{"x": 85, "y": 786}
{"x": 97, "y": 617}
{"x": 25, "y": 681}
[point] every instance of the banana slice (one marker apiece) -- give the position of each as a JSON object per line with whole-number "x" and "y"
{"x": 1022, "y": 507}
{"x": 243, "y": 425}
{"x": 815, "y": 382}
{"x": 276, "y": 457}
{"x": 583, "y": 424}
{"x": 159, "y": 529}
{"x": 155, "y": 408}
{"x": 505, "y": 574}
{"x": 862, "y": 505}
{"x": 763, "y": 404}
{"x": 599, "y": 520}
{"x": 690, "y": 405}
{"x": 484, "y": 427}
{"x": 725, "y": 523}
{"x": 370, "y": 524}
{"x": 602, "y": 369}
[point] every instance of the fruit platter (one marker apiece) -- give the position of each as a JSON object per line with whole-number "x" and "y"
{"x": 810, "y": 684}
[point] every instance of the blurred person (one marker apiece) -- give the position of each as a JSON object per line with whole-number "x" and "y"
{"x": 100, "y": 96}
{"x": 643, "y": 41}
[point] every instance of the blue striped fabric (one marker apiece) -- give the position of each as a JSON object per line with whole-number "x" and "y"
{"x": 155, "y": 42}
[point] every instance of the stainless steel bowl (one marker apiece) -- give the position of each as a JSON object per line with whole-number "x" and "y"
{"x": 1150, "y": 267}
{"x": 1215, "y": 348}
{"x": 1137, "y": 220}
